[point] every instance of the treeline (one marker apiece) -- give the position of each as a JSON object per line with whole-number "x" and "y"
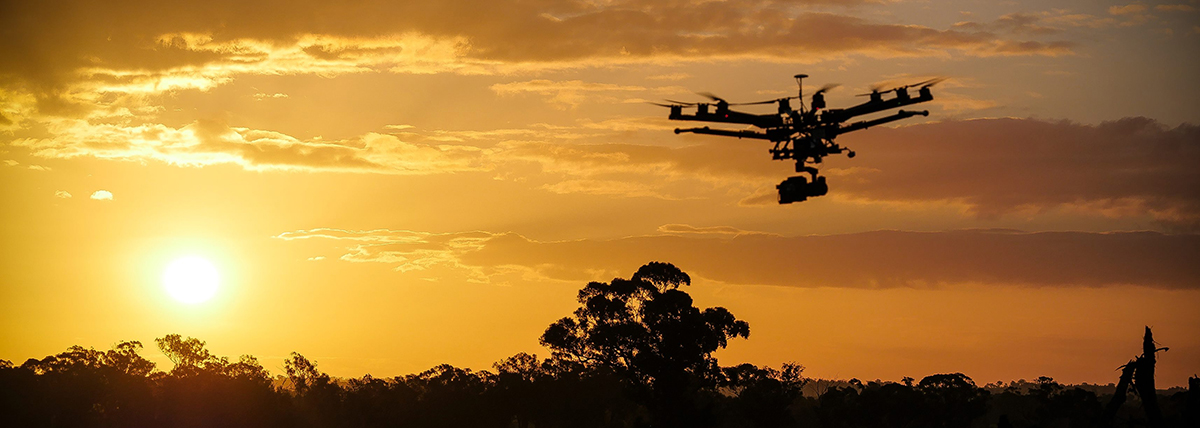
{"x": 636, "y": 353}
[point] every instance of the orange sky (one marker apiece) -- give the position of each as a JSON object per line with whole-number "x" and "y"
{"x": 386, "y": 186}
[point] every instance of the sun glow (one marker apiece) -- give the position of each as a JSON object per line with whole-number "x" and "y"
{"x": 191, "y": 280}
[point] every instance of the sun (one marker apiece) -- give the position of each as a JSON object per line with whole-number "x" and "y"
{"x": 191, "y": 280}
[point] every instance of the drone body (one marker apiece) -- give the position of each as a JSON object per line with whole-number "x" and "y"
{"x": 802, "y": 135}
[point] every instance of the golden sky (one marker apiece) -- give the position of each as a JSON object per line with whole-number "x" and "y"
{"x": 386, "y": 186}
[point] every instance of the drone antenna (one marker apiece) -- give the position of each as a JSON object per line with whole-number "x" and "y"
{"x": 800, "y": 95}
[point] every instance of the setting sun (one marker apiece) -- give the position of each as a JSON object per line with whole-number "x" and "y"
{"x": 191, "y": 280}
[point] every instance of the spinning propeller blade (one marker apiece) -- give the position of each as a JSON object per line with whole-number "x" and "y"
{"x": 925, "y": 84}
{"x": 875, "y": 89}
{"x": 827, "y": 87}
{"x": 711, "y": 96}
{"x": 930, "y": 82}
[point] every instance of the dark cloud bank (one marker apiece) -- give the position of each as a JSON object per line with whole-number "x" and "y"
{"x": 1132, "y": 166}
{"x": 882, "y": 259}
{"x": 45, "y": 42}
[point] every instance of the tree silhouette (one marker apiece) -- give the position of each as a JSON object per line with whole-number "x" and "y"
{"x": 319, "y": 398}
{"x": 205, "y": 390}
{"x": 646, "y": 330}
{"x": 84, "y": 387}
{"x": 126, "y": 358}
{"x": 636, "y": 353}
{"x": 189, "y": 355}
{"x": 954, "y": 398}
{"x": 763, "y": 396}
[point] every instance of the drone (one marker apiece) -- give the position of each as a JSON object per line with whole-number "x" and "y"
{"x": 804, "y": 135}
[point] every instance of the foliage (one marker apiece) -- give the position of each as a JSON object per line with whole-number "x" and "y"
{"x": 645, "y": 330}
{"x": 635, "y": 354}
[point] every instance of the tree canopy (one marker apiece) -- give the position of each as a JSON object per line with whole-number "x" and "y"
{"x": 635, "y": 353}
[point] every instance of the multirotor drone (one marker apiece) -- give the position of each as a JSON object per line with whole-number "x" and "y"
{"x": 804, "y": 135}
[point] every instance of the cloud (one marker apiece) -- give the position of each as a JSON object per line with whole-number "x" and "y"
{"x": 1031, "y": 47}
{"x": 566, "y": 93}
{"x": 211, "y": 142}
{"x": 708, "y": 170}
{"x": 1134, "y": 14}
{"x": 559, "y": 159}
{"x": 714, "y": 161}
{"x": 670, "y": 76}
{"x": 717, "y": 231}
{"x": 408, "y": 251}
{"x": 1174, "y": 8}
{"x": 1013, "y": 23}
{"x": 883, "y": 259}
{"x": 261, "y": 96}
{"x": 1126, "y": 168}
{"x": 65, "y": 195}
{"x": 621, "y": 188}
{"x": 1133, "y": 166}
{"x": 137, "y": 47}
{"x": 102, "y": 195}
{"x": 1128, "y": 9}
{"x": 1079, "y": 20}
{"x": 957, "y": 104}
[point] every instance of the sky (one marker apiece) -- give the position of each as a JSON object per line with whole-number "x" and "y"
{"x": 388, "y": 186}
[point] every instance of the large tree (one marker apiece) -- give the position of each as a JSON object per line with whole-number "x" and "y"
{"x": 646, "y": 330}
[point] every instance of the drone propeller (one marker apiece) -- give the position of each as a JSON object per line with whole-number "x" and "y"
{"x": 875, "y": 89}
{"x": 711, "y": 96}
{"x": 930, "y": 82}
{"x": 827, "y": 87}
{"x": 925, "y": 84}
{"x": 663, "y": 105}
{"x": 681, "y": 103}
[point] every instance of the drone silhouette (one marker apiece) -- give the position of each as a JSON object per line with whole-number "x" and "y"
{"x": 806, "y": 134}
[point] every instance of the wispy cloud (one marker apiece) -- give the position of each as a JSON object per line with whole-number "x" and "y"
{"x": 104, "y": 54}
{"x": 567, "y": 93}
{"x": 716, "y": 231}
{"x": 408, "y": 251}
{"x": 1000, "y": 166}
{"x": 1175, "y": 8}
{"x": 210, "y": 142}
{"x": 261, "y": 96}
{"x": 1128, "y": 9}
{"x": 1128, "y": 168}
{"x": 882, "y": 259}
